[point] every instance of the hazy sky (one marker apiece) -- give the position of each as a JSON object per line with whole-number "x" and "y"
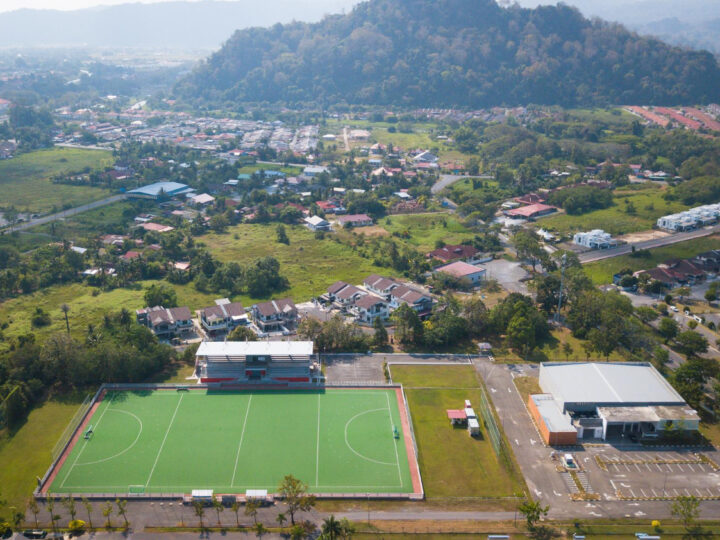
{"x": 10, "y": 5}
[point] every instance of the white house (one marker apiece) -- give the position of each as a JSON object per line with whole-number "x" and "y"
{"x": 370, "y": 307}
{"x": 691, "y": 219}
{"x": 595, "y": 239}
{"x": 316, "y": 223}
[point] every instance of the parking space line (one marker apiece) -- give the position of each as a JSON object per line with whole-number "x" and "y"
{"x": 658, "y": 467}
{"x": 638, "y": 468}
{"x": 691, "y": 467}
{"x": 687, "y": 492}
{"x": 643, "y": 492}
{"x": 632, "y": 493}
{"x": 709, "y": 492}
{"x": 676, "y": 492}
{"x": 680, "y": 467}
{"x": 627, "y": 468}
{"x": 648, "y": 467}
{"x": 698, "y": 492}
{"x": 654, "y": 494}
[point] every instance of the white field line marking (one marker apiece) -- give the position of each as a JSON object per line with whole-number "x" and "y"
{"x": 317, "y": 447}
{"x": 124, "y": 451}
{"x": 172, "y": 421}
{"x": 84, "y": 445}
{"x": 358, "y": 454}
{"x": 395, "y": 442}
{"x": 242, "y": 437}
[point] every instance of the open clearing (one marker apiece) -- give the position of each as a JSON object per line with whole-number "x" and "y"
{"x": 423, "y": 231}
{"x": 167, "y": 441}
{"x": 452, "y": 463}
{"x": 26, "y": 180}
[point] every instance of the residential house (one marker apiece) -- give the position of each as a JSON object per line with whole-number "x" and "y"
{"x": 313, "y": 171}
{"x": 275, "y": 316}
{"x": 684, "y": 271}
{"x": 595, "y": 239}
{"x": 380, "y": 285}
{"x": 131, "y": 256}
{"x": 316, "y": 223}
{"x": 425, "y": 157}
{"x": 419, "y": 301}
{"x": 464, "y": 271}
{"x": 223, "y": 317}
{"x": 343, "y": 294}
{"x": 164, "y": 322}
{"x": 454, "y": 253}
{"x": 202, "y": 200}
{"x": 370, "y": 307}
{"x": 355, "y": 220}
{"x": 156, "y": 227}
{"x": 531, "y": 211}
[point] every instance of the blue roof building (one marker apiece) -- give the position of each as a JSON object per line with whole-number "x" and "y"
{"x": 153, "y": 191}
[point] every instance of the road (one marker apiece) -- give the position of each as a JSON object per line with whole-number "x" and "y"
{"x": 67, "y": 213}
{"x": 593, "y": 256}
{"x": 447, "y": 180}
{"x": 345, "y": 138}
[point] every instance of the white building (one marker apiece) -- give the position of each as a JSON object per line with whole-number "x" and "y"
{"x": 256, "y": 361}
{"x": 316, "y": 223}
{"x": 595, "y": 239}
{"x": 691, "y": 219}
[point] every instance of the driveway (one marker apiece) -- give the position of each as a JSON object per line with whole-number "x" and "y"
{"x": 508, "y": 274}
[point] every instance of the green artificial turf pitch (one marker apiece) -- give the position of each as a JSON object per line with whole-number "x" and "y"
{"x": 167, "y": 441}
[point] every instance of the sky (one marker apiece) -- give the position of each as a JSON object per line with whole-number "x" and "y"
{"x": 10, "y": 5}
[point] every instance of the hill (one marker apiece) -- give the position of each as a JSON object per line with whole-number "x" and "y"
{"x": 175, "y": 25}
{"x": 452, "y": 53}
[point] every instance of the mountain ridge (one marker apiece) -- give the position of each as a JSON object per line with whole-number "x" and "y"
{"x": 468, "y": 53}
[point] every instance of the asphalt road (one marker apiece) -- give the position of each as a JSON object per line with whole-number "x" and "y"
{"x": 593, "y": 256}
{"x": 449, "y": 179}
{"x": 67, "y": 213}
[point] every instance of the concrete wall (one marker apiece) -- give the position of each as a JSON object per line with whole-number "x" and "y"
{"x": 563, "y": 438}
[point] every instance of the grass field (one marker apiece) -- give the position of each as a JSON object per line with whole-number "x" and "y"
{"x": 25, "y": 180}
{"x": 422, "y": 231}
{"x": 84, "y": 307}
{"x": 601, "y": 272}
{"x": 310, "y": 265}
{"x": 452, "y": 463}
{"x": 336, "y": 441}
{"x": 649, "y": 206}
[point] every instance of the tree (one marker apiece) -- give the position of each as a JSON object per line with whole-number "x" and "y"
{"x": 50, "y": 504}
{"x": 242, "y": 333}
{"x": 121, "y": 504}
{"x": 567, "y": 350}
{"x": 668, "y": 328}
{"x": 88, "y": 508}
{"x": 161, "y": 295}
{"x": 199, "y": 509}
{"x": 646, "y": 314}
{"x": 33, "y": 507}
{"x": 65, "y": 308}
{"x": 218, "y": 507}
{"x": 520, "y": 334}
{"x": 107, "y": 513}
{"x": 294, "y": 493}
{"x": 686, "y": 509}
{"x": 236, "y": 508}
{"x": 347, "y": 529}
{"x": 682, "y": 292}
{"x": 380, "y": 337}
{"x": 251, "y": 509}
{"x": 331, "y": 528}
{"x": 259, "y": 529}
{"x": 533, "y": 511}
{"x": 281, "y": 519}
{"x": 69, "y": 503}
{"x": 281, "y": 234}
{"x": 691, "y": 343}
{"x": 476, "y": 314}
{"x": 408, "y": 327}
{"x": 527, "y": 245}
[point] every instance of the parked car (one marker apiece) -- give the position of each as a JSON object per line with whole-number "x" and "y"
{"x": 674, "y": 308}
{"x": 34, "y": 533}
{"x": 698, "y": 319}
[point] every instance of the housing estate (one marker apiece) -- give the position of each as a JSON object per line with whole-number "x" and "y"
{"x": 275, "y": 316}
{"x": 166, "y": 322}
{"x": 224, "y": 316}
{"x": 694, "y": 218}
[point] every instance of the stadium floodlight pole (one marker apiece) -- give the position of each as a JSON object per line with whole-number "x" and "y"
{"x": 560, "y": 292}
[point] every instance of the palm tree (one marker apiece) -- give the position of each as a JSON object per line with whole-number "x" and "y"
{"x": 251, "y": 509}
{"x": 281, "y": 519}
{"x": 236, "y": 508}
{"x": 88, "y": 508}
{"x": 107, "y": 512}
{"x": 32, "y": 505}
{"x": 199, "y": 512}
{"x": 347, "y": 528}
{"x": 331, "y": 528}
{"x": 218, "y": 506}
{"x": 260, "y": 529}
{"x": 122, "y": 512}
{"x": 65, "y": 308}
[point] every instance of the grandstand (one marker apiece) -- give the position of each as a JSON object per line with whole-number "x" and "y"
{"x": 273, "y": 362}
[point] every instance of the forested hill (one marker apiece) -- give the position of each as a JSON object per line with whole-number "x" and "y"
{"x": 452, "y": 53}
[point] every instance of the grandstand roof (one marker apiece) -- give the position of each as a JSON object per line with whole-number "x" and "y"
{"x": 255, "y": 348}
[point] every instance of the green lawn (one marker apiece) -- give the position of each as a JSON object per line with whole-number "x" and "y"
{"x": 252, "y": 167}
{"x": 335, "y": 440}
{"x": 25, "y": 180}
{"x": 27, "y": 453}
{"x": 601, "y": 272}
{"x": 452, "y": 464}
{"x": 84, "y": 307}
{"x": 310, "y": 265}
{"x": 85, "y": 227}
{"x": 422, "y": 231}
{"x": 649, "y": 206}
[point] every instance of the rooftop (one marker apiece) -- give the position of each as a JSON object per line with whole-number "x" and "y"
{"x": 607, "y": 383}
{"x": 255, "y": 348}
{"x": 460, "y": 269}
{"x": 551, "y": 413}
{"x": 154, "y": 190}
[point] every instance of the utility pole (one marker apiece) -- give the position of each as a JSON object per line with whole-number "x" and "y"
{"x": 562, "y": 282}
